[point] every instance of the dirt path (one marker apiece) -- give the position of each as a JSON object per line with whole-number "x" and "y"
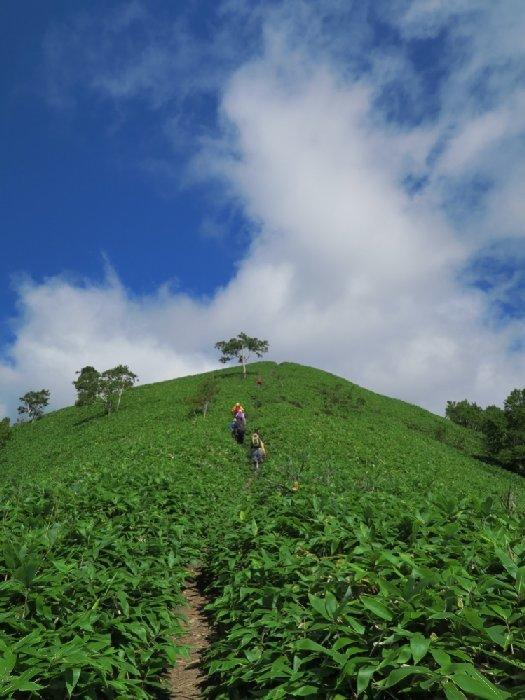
{"x": 187, "y": 678}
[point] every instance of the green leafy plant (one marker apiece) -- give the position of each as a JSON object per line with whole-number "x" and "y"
{"x": 310, "y": 598}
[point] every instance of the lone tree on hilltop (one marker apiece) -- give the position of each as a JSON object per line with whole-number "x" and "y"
{"x": 87, "y": 386}
{"x": 241, "y": 347}
{"x": 5, "y": 431}
{"x": 111, "y": 385}
{"x": 33, "y": 403}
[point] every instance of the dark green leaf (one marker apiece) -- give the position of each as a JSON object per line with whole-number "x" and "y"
{"x": 377, "y": 607}
{"x": 419, "y": 646}
{"x": 476, "y": 684}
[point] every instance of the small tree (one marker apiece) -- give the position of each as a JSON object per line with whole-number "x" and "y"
{"x": 111, "y": 385}
{"x": 494, "y": 429}
{"x": 514, "y": 408}
{"x": 241, "y": 347}
{"x": 504, "y": 429}
{"x": 33, "y": 403}
{"x": 206, "y": 393}
{"x": 5, "y": 431}
{"x": 87, "y": 386}
{"x": 469, "y": 415}
{"x": 513, "y": 452}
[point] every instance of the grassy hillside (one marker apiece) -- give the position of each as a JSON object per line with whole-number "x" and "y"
{"x": 374, "y": 553}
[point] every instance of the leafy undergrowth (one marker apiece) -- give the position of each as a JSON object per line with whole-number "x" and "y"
{"x": 384, "y": 568}
{"x": 98, "y": 529}
{"x": 93, "y": 571}
{"x": 93, "y": 578}
{"x": 326, "y": 596}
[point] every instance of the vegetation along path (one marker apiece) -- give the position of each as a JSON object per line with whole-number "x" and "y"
{"x": 374, "y": 556}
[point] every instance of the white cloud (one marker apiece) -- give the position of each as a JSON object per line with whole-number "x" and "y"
{"x": 481, "y": 122}
{"x": 64, "y": 326}
{"x": 346, "y": 270}
{"x": 365, "y": 275}
{"x": 479, "y": 135}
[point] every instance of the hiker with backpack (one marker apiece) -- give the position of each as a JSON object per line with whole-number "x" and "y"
{"x": 239, "y": 427}
{"x": 257, "y": 450}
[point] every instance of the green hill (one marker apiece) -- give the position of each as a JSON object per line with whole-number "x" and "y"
{"x": 373, "y": 554}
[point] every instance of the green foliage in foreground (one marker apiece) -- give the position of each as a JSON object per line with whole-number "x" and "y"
{"x": 365, "y": 594}
{"x": 100, "y": 519}
{"x": 398, "y": 562}
{"x": 84, "y": 605}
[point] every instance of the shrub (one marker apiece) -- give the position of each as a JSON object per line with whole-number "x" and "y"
{"x": 200, "y": 402}
{"x": 469, "y": 415}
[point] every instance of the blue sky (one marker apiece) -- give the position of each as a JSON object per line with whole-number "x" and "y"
{"x": 76, "y": 181}
{"x": 345, "y": 179}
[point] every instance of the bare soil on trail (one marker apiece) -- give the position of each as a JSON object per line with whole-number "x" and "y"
{"x": 187, "y": 678}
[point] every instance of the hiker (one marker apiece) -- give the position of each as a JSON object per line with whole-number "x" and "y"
{"x": 257, "y": 450}
{"x": 239, "y": 427}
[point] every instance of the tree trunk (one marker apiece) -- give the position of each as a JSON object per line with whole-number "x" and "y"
{"x": 119, "y": 396}
{"x": 243, "y": 360}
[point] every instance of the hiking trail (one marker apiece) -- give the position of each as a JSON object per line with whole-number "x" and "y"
{"x": 187, "y": 679}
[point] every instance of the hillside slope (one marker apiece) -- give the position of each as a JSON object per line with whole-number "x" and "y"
{"x": 307, "y": 416}
{"x": 361, "y": 496}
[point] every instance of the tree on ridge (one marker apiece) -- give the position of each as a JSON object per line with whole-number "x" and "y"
{"x": 107, "y": 386}
{"x": 241, "y": 347}
{"x": 112, "y": 384}
{"x": 33, "y": 403}
{"x": 87, "y": 386}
